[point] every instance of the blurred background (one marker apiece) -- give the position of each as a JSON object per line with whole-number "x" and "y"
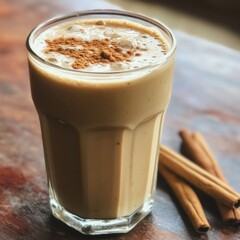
{"x": 215, "y": 20}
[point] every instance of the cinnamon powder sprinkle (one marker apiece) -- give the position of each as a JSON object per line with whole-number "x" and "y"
{"x": 89, "y": 52}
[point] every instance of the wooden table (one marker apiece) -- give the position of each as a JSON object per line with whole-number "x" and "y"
{"x": 206, "y": 97}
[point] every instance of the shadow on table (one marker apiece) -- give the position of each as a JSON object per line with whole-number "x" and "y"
{"x": 221, "y": 12}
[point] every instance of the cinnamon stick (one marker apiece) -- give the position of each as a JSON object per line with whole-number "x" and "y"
{"x": 199, "y": 177}
{"x": 187, "y": 198}
{"x": 197, "y": 149}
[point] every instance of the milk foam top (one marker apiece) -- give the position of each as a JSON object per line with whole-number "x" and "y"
{"x": 101, "y": 45}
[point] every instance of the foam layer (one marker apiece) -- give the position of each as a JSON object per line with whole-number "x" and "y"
{"x": 146, "y": 44}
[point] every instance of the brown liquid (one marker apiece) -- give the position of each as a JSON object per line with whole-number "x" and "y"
{"x": 101, "y": 138}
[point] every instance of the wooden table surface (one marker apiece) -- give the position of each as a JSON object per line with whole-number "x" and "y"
{"x": 206, "y": 97}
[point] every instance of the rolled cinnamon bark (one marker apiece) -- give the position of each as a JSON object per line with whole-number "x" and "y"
{"x": 199, "y": 177}
{"x": 197, "y": 150}
{"x": 187, "y": 198}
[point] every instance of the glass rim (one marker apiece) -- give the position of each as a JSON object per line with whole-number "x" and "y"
{"x": 57, "y": 18}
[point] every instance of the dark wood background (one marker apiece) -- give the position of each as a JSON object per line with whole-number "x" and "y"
{"x": 206, "y": 97}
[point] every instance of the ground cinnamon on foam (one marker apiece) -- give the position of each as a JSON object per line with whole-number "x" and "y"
{"x": 91, "y": 52}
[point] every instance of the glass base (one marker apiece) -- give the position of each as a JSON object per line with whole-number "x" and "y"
{"x": 100, "y": 226}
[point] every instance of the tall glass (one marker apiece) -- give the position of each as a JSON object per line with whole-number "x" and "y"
{"x": 101, "y": 133}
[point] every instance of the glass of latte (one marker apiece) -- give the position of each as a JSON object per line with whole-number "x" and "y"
{"x": 101, "y": 82}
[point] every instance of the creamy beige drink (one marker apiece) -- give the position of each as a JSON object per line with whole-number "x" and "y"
{"x": 101, "y": 90}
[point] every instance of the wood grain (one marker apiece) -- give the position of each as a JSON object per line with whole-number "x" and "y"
{"x": 206, "y": 98}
